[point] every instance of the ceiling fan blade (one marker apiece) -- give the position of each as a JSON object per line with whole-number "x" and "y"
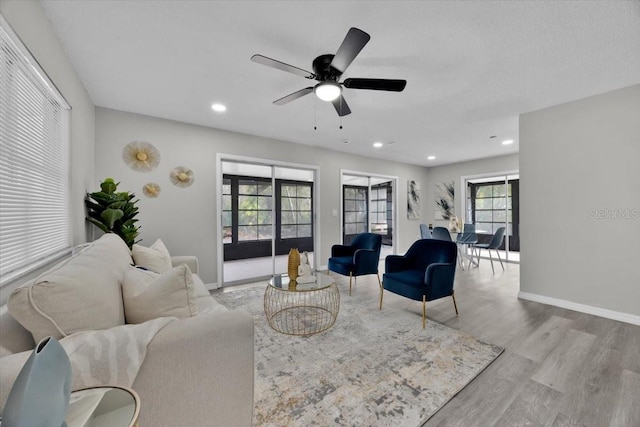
{"x": 260, "y": 59}
{"x": 293, "y": 96}
{"x": 341, "y": 106}
{"x": 376, "y": 84}
{"x": 351, "y": 46}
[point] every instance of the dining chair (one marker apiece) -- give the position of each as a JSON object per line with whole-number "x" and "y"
{"x": 495, "y": 243}
{"x": 425, "y": 233}
{"x": 441, "y": 233}
{"x": 468, "y": 238}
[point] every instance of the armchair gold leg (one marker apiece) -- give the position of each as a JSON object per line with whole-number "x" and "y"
{"x": 454, "y": 303}
{"x": 381, "y": 290}
{"x": 424, "y": 311}
{"x": 350, "y": 277}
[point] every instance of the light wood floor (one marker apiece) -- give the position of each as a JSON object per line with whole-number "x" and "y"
{"x": 560, "y": 368}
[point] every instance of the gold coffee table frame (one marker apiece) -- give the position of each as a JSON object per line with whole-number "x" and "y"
{"x": 301, "y": 308}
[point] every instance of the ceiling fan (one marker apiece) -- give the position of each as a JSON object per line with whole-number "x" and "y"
{"x": 327, "y": 71}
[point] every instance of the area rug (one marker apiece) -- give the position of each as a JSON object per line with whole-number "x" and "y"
{"x": 372, "y": 368}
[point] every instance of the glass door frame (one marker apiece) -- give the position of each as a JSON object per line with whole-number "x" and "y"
{"x": 220, "y": 159}
{"x": 465, "y": 208}
{"x": 369, "y": 175}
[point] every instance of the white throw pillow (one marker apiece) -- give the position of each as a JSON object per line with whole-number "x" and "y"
{"x": 148, "y": 295}
{"x": 80, "y": 293}
{"x": 155, "y": 258}
{"x": 200, "y": 289}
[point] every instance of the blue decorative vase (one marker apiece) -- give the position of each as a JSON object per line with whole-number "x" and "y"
{"x": 40, "y": 395}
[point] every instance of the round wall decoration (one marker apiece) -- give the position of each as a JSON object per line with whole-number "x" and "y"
{"x": 151, "y": 190}
{"x": 182, "y": 176}
{"x": 141, "y": 156}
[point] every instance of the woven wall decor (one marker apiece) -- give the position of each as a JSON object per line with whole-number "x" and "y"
{"x": 141, "y": 156}
{"x": 151, "y": 190}
{"x": 182, "y": 176}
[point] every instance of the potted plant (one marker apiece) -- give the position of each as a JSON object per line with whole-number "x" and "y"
{"x": 113, "y": 212}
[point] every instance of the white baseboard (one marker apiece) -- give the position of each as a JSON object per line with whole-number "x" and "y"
{"x": 211, "y": 286}
{"x": 322, "y": 268}
{"x": 583, "y": 308}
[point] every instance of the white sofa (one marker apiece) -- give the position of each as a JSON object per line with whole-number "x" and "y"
{"x": 198, "y": 371}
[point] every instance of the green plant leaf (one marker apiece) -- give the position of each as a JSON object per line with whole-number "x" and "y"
{"x": 110, "y": 216}
{"x": 113, "y": 211}
{"x": 100, "y": 196}
{"x": 95, "y": 215}
{"x": 117, "y": 205}
{"x": 94, "y": 206}
{"x": 98, "y": 224}
{"x": 108, "y": 186}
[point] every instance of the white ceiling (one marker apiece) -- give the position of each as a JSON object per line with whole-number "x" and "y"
{"x": 471, "y": 67}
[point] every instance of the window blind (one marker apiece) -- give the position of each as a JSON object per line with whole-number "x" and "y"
{"x": 34, "y": 162}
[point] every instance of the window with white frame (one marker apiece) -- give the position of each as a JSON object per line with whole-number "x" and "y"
{"x": 34, "y": 162}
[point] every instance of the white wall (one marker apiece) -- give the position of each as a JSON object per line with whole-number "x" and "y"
{"x": 580, "y": 204}
{"x": 185, "y": 218}
{"x": 29, "y": 22}
{"x": 455, "y": 172}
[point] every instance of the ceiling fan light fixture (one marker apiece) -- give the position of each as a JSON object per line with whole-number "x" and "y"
{"x": 327, "y": 91}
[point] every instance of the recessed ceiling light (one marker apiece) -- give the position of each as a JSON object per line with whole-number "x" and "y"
{"x": 378, "y": 144}
{"x": 431, "y": 158}
{"x": 507, "y": 142}
{"x": 219, "y": 108}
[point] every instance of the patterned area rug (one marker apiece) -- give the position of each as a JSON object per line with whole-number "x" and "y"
{"x": 372, "y": 368}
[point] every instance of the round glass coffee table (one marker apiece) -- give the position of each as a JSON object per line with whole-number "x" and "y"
{"x": 301, "y": 308}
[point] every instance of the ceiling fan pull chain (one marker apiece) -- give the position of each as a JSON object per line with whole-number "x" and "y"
{"x": 340, "y": 115}
{"x": 315, "y": 115}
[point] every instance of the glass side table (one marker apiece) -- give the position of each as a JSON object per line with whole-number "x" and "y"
{"x": 103, "y": 407}
{"x": 301, "y": 308}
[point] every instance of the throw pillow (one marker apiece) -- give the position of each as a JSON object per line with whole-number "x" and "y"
{"x": 148, "y": 295}
{"x": 80, "y": 293}
{"x": 200, "y": 289}
{"x": 155, "y": 258}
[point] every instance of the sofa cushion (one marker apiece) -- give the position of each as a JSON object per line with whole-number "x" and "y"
{"x": 155, "y": 258}
{"x": 83, "y": 292}
{"x": 9, "y": 369}
{"x": 14, "y": 338}
{"x": 148, "y": 295}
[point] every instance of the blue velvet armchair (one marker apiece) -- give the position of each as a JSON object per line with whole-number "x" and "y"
{"x": 357, "y": 259}
{"x": 425, "y": 273}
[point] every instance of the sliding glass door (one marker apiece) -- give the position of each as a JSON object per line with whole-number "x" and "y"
{"x": 294, "y": 216}
{"x": 265, "y": 211}
{"x": 382, "y": 211}
{"x": 247, "y": 217}
{"x": 494, "y": 202}
{"x": 368, "y": 205}
{"x": 355, "y": 201}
